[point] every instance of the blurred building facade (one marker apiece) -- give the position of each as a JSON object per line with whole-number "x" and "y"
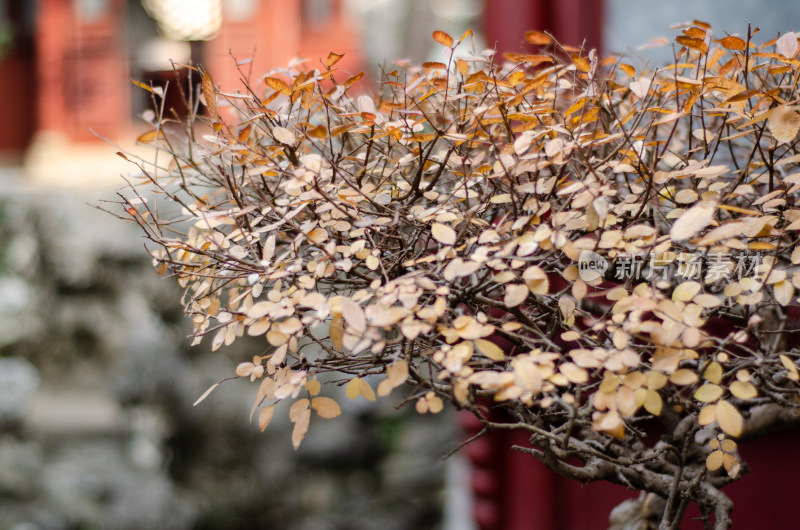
{"x": 66, "y": 65}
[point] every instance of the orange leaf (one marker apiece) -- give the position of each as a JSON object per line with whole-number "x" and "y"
{"x": 581, "y": 63}
{"x": 466, "y": 34}
{"x": 743, "y": 95}
{"x": 333, "y": 58}
{"x": 628, "y": 69}
{"x": 157, "y": 90}
{"x": 733, "y": 43}
{"x": 210, "y": 94}
{"x": 336, "y": 332}
{"x": 277, "y": 85}
{"x": 695, "y": 32}
{"x": 353, "y": 80}
{"x": 443, "y": 38}
{"x": 691, "y": 42}
{"x": 537, "y": 38}
{"x": 149, "y": 136}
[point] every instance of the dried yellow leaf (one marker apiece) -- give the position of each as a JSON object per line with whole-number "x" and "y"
{"x": 731, "y": 464}
{"x": 318, "y": 235}
{"x": 297, "y": 408}
{"x": 708, "y": 415}
{"x": 729, "y": 418}
{"x": 276, "y": 338}
{"x": 351, "y": 389}
{"x": 515, "y": 294}
{"x": 653, "y": 402}
{"x": 685, "y": 291}
{"x": 713, "y": 372}
{"x": 687, "y": 196}
{"x": 790, "y": 366}
{"x": 459, "y": 268}
{"x": 205, "y": 394}
{"x": 301, "y": 421}
{"x": 743, "y": 390}
{"x": 313, "y": 387}
{"x": 795, "y": 257}
{"x": 358, "y": 387}
{"x": 570, "y": 336}
{"x": 617, "y": 293}
{"x": 706, "y": 300}
{"x": 714, "y": 460}
{"x": 489, "y": 349}
{"x": 784, "y": 291}
{"x": 708, "y": 393}
{"x": 210, "y": 94}
{"x": 265, "y": 416}
{"x": 655, "y": 380}
{"x": 336, "y": 332}
{"x": 326, "y": 407}
{"x": 283, "y": 135}
{"x": 396, "y": 375}
{"x": 434, "y": 403}
{"x": 443, "y": 234}
{"x": 244, "y": 369}
{"x": 354, "y": 315}
{"x": 693, "y": 220}
{"x": 574, "y": 373}
{"x": 783, "y": 123}
{"x": 683, "y": 377}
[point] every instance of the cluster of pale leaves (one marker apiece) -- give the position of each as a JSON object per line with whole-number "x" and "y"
{"x": 428, "y": 234}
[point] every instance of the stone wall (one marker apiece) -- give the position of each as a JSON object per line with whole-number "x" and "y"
{"x": 97, "y": 428}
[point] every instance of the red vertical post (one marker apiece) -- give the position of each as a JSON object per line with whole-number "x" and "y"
{"x": 571, "y": 21}
{"x": 578, "y": 22}
{"x": 531, "y": 490}
{"x": 506, "y": 21}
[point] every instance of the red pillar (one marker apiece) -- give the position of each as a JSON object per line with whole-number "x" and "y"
{"x": 571, "y": 21}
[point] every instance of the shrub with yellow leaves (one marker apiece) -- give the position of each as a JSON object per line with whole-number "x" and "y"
{"x": 596, "y": 251}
